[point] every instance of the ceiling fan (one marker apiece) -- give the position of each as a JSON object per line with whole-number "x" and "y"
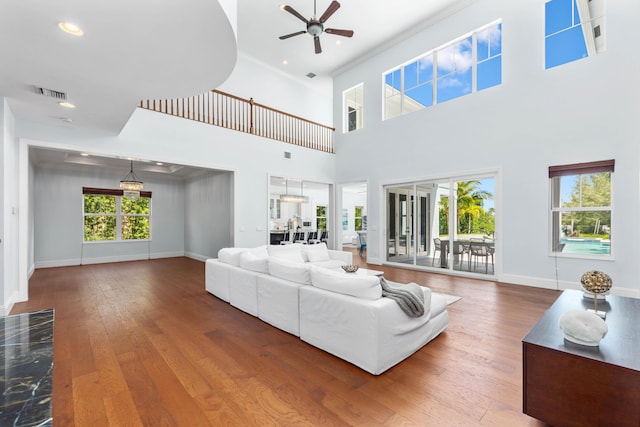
{"x": 315, "y": 27}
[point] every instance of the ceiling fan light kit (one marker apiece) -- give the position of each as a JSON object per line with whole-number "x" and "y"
{"x": 315, "y": 27}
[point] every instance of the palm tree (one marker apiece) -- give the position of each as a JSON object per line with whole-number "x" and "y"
{"x": 470, "y": 201}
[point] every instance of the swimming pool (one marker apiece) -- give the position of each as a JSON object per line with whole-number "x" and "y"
{"x": 586, "y": 246}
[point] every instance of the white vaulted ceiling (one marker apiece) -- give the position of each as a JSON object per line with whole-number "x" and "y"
{"x": 163, "y": 49}
{"x": 130, "y": 50}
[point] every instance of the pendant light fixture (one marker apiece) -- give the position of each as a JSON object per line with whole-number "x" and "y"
{"x": 131, "y": 185}
{"x": 293, "y": 198}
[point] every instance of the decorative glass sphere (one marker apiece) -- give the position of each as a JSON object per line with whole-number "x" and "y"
{"x": 596, "y": 282}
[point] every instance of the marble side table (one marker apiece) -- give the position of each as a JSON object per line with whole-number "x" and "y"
{"x": 26, "y": 369}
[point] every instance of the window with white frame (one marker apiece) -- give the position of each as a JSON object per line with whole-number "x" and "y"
{"x": 466, "y": 65}
{"x": 321, "y": 218}
{"x": 109, "y": 216}
{"x": 574, "y": 29}
{"x": 581, "y": 208}
{"x": 353, "y": 108}
{"x": 358, "y": 218}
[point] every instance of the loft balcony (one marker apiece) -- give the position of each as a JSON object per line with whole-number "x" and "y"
{"x": 245, "y": 115}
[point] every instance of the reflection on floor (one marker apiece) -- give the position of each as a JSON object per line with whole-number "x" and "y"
{"x": 460, "y": 264}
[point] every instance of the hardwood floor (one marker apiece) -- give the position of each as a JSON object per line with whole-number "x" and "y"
{"x": 142, "y": 343}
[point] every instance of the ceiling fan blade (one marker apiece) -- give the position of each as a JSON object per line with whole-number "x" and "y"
{"x": 291, "y": 35}
{"x": 330, "y": 11}
{"x": 294, "y": 13}
{"x": 316, "y": 41}
{"x": 343, "y": 33}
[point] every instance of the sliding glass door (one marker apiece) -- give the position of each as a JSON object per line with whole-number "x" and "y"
{"x": 447, "y": 223}
{"x": 400, "y": 224}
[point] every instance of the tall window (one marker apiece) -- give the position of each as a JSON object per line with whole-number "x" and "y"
{"x": 353, "y": 108}
{"x": 108, "y": 216}
{"x": 574, "y": 29}
{"x": 469, "y": 64}
{"x": 581, "y": 208}
{"x": 321, "y": 218}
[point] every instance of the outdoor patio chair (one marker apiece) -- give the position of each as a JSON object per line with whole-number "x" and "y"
{"x": 459, "y": 249}
{"x": 324, "y": 236}
{"x": 481, "y": 250}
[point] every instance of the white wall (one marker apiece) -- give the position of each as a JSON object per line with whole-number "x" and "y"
{"x": 58, "y": 219}
{"x": 9, "y": 215}
{"x": 582, "y": 111}
{"x": 269, "y": 86}
{"x": 208, "y": 214}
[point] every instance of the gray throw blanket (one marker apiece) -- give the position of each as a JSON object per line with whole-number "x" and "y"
{"x": 409, "y": 297}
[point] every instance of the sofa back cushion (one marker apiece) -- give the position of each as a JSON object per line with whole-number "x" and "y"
{"x": 260, "y": 251}
{"x": 360, "y": 286}
{"x": 298, "y": 272}
{"x": 250, "y": 261}
{"x": 288, "y": 252}
{"x": 315, "y": 253}
{"x": 230, "y": 255}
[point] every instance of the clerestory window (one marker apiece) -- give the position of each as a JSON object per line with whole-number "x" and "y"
{"x": 574, "y": 29}
{"x": 469, "y": 64}
{"x": 353, "y": 108}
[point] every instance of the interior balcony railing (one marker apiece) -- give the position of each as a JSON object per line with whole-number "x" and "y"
{"x": 245, "y": 115}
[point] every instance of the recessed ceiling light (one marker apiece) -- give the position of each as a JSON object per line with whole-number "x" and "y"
{"x": 66, "y": 104}
{"x": 285, "y": 62}
{"x": 159, "y": 163}
{"x": 84, "y": 154}
{"x": 70, "y": 28}
{"x": 338, "y": 42}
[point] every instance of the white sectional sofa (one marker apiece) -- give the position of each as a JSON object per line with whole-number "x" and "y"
{"x": 302, "y": 290}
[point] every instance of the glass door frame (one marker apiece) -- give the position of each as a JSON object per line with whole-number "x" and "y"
{"x": 432, "y": 205}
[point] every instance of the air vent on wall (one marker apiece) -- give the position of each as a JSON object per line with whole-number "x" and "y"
{"x": 50, "y": 93}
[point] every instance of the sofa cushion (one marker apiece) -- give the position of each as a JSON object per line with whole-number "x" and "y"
{"x": 360, "y": 286}
{"x": 230, "y": 255}
{"x": 288, "y": 252}
{"x": 260, "y": 251}
{"x": 332, "y": 264}
{"x": 316, "y": 253}
{"x": 298, "y": 272}
{"x": 250, "y": 261}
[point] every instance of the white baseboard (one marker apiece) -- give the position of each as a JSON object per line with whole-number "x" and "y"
{"x": 32, "y": 269}
{"x": 160, "y": 255}
{"x": 105, "y": 260}
{"x": 197, "y": 257}
{"x": 537, "y": 282}
{"x": 6, "y": 309}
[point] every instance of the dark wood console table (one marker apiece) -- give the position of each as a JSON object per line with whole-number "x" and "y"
{"x": 566, "y": 384}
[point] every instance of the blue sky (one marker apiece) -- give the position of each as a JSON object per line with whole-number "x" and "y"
{"x": 564, "y": 40}
{"x": 454, "y": 69}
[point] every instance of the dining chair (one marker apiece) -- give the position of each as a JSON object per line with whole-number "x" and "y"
{"x": 480, "y": 250}
{"x": 460, "y": 249}
{"x": 362, "y": 239}
{"x": 312, "y": 238}
{"x": 287, "y": 238}
{"x": 300, "y": 237}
